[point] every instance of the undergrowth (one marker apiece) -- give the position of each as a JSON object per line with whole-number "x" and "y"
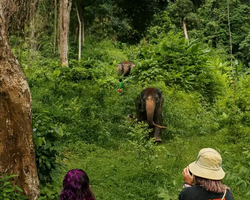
{"x": 80, "y": 120}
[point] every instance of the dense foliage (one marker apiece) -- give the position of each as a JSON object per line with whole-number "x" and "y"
{"x": 8, "y": 190}
{"x": 78, "y": 111}
{"x": 80, "y": 120}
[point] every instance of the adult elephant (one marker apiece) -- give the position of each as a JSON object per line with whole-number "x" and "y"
{"x": 149, "y": 109}
{"x": 124, "y": 68}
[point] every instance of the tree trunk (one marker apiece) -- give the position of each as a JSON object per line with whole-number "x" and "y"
{"x": 32, "y": 23}
{"x": 64, "y": 19}
{"x": 83, "y": 35}
{"x": 55, "y": 28}
{"x": 17, "y": 153}
{"x": 76, "y": 32}
{"x": 32, "y": 44}
{"x": 185, "y": 29}
{"x": 79, "y": 35}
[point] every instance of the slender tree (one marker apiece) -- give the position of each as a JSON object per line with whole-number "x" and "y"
{"x": 17, "y": 153}
{"x": 31, "y": 41}
{"x": 185, "y": 29}
{"x": 64, "y": 19}
{"x": 180, "y": 10}
{"x": 55, "y": 27}
{"x": 83, "y": 29}
{"x": 80, "y": 34}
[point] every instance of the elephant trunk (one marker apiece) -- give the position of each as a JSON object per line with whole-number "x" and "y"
{"x": 150, "y": 108}
{"x": 159, "y": 126}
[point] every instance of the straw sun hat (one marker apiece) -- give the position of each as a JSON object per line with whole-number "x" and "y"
{"x": 208, "y": 165}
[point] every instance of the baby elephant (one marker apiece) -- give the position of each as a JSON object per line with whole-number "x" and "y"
{"x": 149, "y": 109}
{"x": 124, "y": 68}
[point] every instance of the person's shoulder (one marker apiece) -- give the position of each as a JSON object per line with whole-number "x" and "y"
{"x": 188, "y": 190}
{"x": 229, "y": 194}
{"x": 186, "y": 193}
{"x": 191, "y": 191}
{"x": 193, "y": 188}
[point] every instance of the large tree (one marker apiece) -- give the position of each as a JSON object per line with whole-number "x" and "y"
{"x": 17, "y": 154}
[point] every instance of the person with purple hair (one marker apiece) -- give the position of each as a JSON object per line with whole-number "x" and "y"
{"x": 76, "y": 186}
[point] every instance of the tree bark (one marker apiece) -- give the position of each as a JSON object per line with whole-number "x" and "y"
{"x": 79, "y": 35}
{"x": 55, "y": 28}
{"x": 83, "y": 33}
{"x": 64, "y": 19}
{"x": 32, "y": 24}
{"x": 185, "y": 29}
{"x": 17, "y": 153}
{"x": 76, "y": 32}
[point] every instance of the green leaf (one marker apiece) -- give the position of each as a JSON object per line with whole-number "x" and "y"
{"x": 8, "y": 190}
{"x": 19, "y": 189}
{"x": 6, "y": 183}
{"x": 56, "y": 73}
{"x": 60, "y": 131}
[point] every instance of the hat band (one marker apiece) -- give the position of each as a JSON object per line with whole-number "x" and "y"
{"x": 204, "y": 166}
{"x": 213, "y": 169}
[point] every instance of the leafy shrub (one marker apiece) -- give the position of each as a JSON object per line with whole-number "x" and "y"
{"x": 143, "y": 146}
{"x": 177, "y": 63}
{"x": 8, "y": 191}
{"x": 49, "y": 191}
{"x": 46, "y": 138}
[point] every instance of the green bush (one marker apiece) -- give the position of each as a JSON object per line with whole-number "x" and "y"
{"x": 46, "y": 138}
{"x": 8, "y": 191}
{"x": 178, "y": 64}
{"x": 50, "y": 191}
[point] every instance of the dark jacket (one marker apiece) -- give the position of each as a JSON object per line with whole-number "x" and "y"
{"x": 200, "y": 193}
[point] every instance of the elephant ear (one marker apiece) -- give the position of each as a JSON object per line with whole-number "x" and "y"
{"x": 119, "y": 68}
{"x": 143, "y": 104}
{"x": 138, "y": 102}
{"x": 161, "y": 99}
{"x": 140, "y": 105}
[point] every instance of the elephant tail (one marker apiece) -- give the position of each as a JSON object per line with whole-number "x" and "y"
{"x": 150, "y": 109}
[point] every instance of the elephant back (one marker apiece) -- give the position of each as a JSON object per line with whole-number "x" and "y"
{"x": 151, "y": 91}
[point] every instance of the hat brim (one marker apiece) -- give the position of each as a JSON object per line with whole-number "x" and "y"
{"x": 206, "y": 173}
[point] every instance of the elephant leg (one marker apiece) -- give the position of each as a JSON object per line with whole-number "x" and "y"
{"x": 157, "y": 131}
{"x": 140, "y": 109}
{"x": 158, "y": 120}
{"x": 152, "y": 133}
{"x": 157, "y": 134}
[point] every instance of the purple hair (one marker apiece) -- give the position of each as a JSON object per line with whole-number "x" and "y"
{"x": 76, "y": 186}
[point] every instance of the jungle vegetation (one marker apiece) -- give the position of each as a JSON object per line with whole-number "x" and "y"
{"x": 80, "y": 120}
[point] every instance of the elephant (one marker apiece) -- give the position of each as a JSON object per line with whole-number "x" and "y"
{"x": 149, "y": 109}
{"x": 124, "y": 68}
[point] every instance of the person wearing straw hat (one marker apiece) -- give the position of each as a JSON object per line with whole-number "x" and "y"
{"x": 203, "y": 178}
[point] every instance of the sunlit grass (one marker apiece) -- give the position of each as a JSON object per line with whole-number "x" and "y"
{"x": 117, "y": 173}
